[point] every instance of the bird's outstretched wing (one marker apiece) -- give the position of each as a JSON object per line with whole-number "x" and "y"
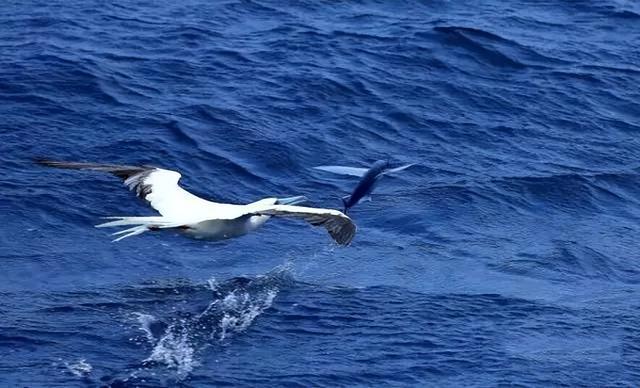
{"x": 344, "y": 170}
{"x": 339, "y": 225}
{"x": 159, "y": 187}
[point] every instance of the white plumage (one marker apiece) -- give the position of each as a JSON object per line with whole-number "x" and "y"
{"x": 200, "y": 218}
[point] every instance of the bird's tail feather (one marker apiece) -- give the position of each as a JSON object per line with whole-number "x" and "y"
{"x": 131, "y": 232}
{"x": 140, "y": 225}
{"x": 123, "y": 221}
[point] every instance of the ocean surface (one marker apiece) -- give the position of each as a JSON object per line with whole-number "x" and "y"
{"x": 509, "y": 256}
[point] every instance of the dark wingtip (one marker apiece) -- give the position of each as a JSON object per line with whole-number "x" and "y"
{"x": 47, "y": 162}
{"x": 58, "y": 164}
{"x": 121, "y": 171}
{"x": 345, "y": 237}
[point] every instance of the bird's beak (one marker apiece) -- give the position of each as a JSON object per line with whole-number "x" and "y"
{"x": 292, "y": 200}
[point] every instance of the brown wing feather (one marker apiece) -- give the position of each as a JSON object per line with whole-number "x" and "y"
{"x": 133, "y": 176}
{"x": 340, "y": 226}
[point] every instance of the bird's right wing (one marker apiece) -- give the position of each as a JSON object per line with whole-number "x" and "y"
{"x": 157, "y": 186}
{"x": 344, "y": 170}
{"x": 339, "y": 225}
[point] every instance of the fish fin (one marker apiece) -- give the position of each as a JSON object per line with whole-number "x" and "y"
{"x": 344, "y": 170}
{"x": 397, "y": 169}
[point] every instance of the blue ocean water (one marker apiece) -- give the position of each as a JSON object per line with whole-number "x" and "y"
{"x": 509, "y": 256}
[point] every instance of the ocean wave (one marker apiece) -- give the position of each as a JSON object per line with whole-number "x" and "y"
{"x": 516, "y": 229}
{"x": 496, "y": 50}
{"x": 565, "y": 260}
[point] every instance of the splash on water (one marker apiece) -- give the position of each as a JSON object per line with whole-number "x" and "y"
{"x": 80, "y": 368}
{"x": 177, "y": 340}
{"x": 175, "y": 350}
{"x": 146, "y": 320}
{"x": 240, "y": 310}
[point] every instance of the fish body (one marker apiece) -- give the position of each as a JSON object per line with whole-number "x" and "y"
{"x": 366, "y": 185}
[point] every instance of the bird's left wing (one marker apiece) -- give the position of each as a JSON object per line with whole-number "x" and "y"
{"x": 339, "y": 225}
{"x": 158, "y": 186}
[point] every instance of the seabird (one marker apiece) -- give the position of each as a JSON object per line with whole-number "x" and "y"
{"x": 370, "y": 177}
{"x": 199, "y": 218}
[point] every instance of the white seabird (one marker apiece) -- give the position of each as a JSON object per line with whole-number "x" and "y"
{"x": 199, "y": 218}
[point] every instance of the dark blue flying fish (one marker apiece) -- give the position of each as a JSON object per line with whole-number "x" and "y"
{"x": 370, "y": 177}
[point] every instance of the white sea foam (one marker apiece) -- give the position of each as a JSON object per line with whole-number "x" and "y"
{"x": 175, "y": 350}
{"x": 240, "y": 310}
{"x": 145, "y": 321}
{"x": 80, "y": 368}
{"x": 233, "y": 310}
